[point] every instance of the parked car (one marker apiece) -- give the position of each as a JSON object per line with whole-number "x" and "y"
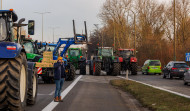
{"x": 187, "y": 77}
{"x": 175, "y": 69}
{"x": 152, "y": 67}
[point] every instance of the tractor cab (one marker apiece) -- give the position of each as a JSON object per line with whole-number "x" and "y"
{"x": 105, "y": 51}
{"x": 7, "y": 17}
{"x": 126, "y": 53}
{"x": 10, "y": 44}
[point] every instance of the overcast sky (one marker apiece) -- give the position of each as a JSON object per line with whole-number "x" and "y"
{"x": 62, "y": 14}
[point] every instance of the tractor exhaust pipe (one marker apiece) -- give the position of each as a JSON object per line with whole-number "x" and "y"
{"x": 86, "y": 34}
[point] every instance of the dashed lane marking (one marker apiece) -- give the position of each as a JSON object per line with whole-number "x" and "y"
{"x": 53, "y": 104}
{"x": 176, "y": 93}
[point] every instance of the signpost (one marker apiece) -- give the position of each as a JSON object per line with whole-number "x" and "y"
{"x": 187, "y": 57}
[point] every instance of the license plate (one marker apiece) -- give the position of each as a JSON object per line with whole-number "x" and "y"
{"x": 181, "y": 70}
{"x": 154, "y": 68}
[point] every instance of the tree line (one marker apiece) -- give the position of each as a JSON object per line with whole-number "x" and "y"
{"x": 150, "y": 22}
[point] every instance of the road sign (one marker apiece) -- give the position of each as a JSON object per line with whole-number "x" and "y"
{"x": 187, "y": 57}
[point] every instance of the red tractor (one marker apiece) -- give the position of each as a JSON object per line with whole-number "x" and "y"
{"x": 129, "y": 61}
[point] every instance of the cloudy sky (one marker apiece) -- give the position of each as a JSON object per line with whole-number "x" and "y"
{"x": 62, "y": 14}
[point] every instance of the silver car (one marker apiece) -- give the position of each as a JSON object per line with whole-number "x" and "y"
{"x": 187, "y": 77}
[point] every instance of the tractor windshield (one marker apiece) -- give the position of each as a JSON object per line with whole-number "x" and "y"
{"x": 105, "y": 52}
{"x": 28, "y": 47}
{"x": 74, "y": 52}
{"x": 50, "y": 48}
{"x": 3, "y": 29}
{"x": 126, "y": 53}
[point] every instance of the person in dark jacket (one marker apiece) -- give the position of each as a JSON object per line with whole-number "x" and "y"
{"x": 59, "y": 77}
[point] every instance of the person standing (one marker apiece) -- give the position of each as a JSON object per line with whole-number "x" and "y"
{"x": 59, "y": 77}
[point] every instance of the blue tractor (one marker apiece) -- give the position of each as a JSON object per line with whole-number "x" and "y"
{"x": 18, "y": 82}
{"x": 47, "y": 73}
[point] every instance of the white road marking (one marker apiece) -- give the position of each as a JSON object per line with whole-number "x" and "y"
{"x": 53, "y": 104}
{"x": 176, "y": 93}
{"x": 52, "y": 93}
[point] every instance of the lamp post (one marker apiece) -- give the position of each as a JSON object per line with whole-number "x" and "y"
{"x": 42, "y": 13}
{"x": 174, "y": 34}
{"x": 53, "y": 28}
{"x": 1, "y": 4}
{"x": 134, "y": 32}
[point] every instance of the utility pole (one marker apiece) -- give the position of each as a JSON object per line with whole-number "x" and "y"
{"x": 42, "y": 13}
{"x": 174, "y": 34}
{"x": 134, "y": 32}
{"x": 114, "y": 38}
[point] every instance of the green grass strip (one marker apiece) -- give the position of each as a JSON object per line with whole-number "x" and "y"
{"x": 152, "y": 98}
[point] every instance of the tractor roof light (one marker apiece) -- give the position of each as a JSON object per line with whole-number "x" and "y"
{"x": 11, "y": 10}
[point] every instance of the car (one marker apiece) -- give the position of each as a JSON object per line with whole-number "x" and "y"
{"x": 187, "y": 77}
{"x": 175, "y": 69}
{"x": 152, "y": 67}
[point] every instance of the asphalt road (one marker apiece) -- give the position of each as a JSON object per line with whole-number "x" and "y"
{"x": 175, "y": 84}
{"x": 92, "y": 93}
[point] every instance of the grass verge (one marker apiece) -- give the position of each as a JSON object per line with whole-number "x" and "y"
{"x": 152, "y": 98}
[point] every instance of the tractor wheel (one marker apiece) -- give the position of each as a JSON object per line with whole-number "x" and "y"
{"x": 83, "y": 68}
{"x": 13, "y": 83}
{"x": 72, "y": 73}
{"x": 97, "y": 68}
{"x": 134, "y": 69}
{"x": 32, "y": 92}
{"x": 116, "y": 69}
{"x": 90, "y": 69}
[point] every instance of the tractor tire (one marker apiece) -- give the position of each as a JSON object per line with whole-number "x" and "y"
{"x": 134, "y": 69}
{"x": 116, "y": 69}
{"x": 72, "y": 73}
{"x": 90, "y": 69}
{"x": 83, "y": 68}
{"x": 13, "y": 83}
{"x": 96, "y": 69}
{"x": 32, "y": 92}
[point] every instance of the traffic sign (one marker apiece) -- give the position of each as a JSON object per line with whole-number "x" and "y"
{"x": 187, "y": 57}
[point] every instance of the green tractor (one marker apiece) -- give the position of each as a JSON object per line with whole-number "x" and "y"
{"x": 106, "y": 61}
{"x": 32, "y": 50}
{"x": 76, "y": 57}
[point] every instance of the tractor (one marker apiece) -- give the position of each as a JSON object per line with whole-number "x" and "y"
{"x": 47, "y": 72}
{"x": 76, "y": 57}
{"x": 129, "y": 61}
{"x": 32, "y": 50}
{"x": 106, "y": 61}
{"x": 18, "y": 82}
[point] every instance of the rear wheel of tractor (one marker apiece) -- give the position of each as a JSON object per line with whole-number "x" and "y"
{"x": 134, "y": 69}
{"x": 164, "y": 75}
{"x": 90, "y": 69}
{"x": 13, "y": 83}
{"x": 72, "y": 73}
{"x": 83, "y": 68}
{"x": 97, "y": 68}
{"x": 116, "y": 69}
{"x": 32, "y": 92}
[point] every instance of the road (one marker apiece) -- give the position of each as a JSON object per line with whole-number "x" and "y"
{"x": 175, "y": 85}
{"x": 92, "y": 93}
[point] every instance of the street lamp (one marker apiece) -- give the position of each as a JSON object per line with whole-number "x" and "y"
{"x": 134, "y": 32}
{"x": 53, "y": 28}
{"x": 174, "y": 33}
{"x": 42, "y": 13}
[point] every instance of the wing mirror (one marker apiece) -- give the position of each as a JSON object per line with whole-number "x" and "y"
{"x": 31, "y": 24}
